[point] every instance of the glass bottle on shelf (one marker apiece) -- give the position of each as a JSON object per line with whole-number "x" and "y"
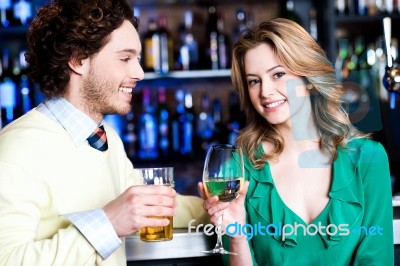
{"x": 163, "y": 61}
{"x": 148, "y": 134}
{"x": 240, "y": 24}
{"x": 205, "y": 124}
{"x": 360, "y": 53}
{"x": 236, "y": 119}
{"x": 188, "y": 126}
{"x": 8, "y": 89}
{"x": 163, "y": 123}
{"x": 343, "y": 64}
{"x": 182, "y": 124}
{"x": 177, "y": 120}
{"x": 218, "y": 54}
{"x": 342, "y": 7}
{"x": 223, "y": 44}
{"x": 362, "y": 8}
{"x": 158, "y": 46}
{"x": 24, "y": 84}
{"x": 313, "y": 23}
{"x": 130, "y": 137}
{"x": 5, "y": 13}
{"x": 188, "y": 51}
{"x": 212, "y": 39}
{"x": 219, "y": 134}
{"x": 291, "y": 13}
{"x": 250, "y": 19}
{"x": 149, "y": 46}
{"x": 8, "y": 100}
{"x": 25, "y": 91}
{"x": 22, "y": 12}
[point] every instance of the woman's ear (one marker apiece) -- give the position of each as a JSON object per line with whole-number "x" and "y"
{"x": 79, "y": 66}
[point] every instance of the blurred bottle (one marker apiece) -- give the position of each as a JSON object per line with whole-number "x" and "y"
{"x": 389, "y": 6}
{"x": 163, "y": 61}
{"x": 342, "y": 7}
{"x": 396, "y": 6}
{"x": 22, "y": 12}
{"x": 130, "y": 138}
{"x": 182, "y": 124}
{"x": 217, "y": 52}
{"x": 25, "y": 86}
{"x": 384, "y": 7}
{"x": 240, "y": 25}
{"x": 148, "y": 148}
{"x": 8, "y": 100}
{"x": 236, "y": 118}
{"x": 250, "y": 19}
{"x": 364, "y": 7}
{"x": 223, "y": 43}
{"x": 290, "y": 12}
{"x": 188, "y": 129}
{"x": 163, "y": 121}
{"x": 177, "y": 120}
{"x": 341, "y": 63}
{"x": 205, "y": 124}
{"x": 150, "y": 49}
{"x": 313, "y": 23}
{"x": 218, "y": 134}
{"x": 21, "y": 79}
{"x": 8, "y": 89}
{"x": 6, "y": 13}
{"x": 212, "y": 39}
{"x": 360, "y": 53}
{"x": 25, "y": 90}
{"x": 188, "y": 51}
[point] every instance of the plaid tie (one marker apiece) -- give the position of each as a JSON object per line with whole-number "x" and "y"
{"x": 98, "y": 139}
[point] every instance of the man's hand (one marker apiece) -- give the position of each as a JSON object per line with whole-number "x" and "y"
{"x": 130, "y": 211}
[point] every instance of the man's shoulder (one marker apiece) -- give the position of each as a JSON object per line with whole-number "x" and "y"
{"x": 32, "y": 127}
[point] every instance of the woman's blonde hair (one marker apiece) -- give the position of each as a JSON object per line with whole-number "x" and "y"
{"x": 298, "y": 52}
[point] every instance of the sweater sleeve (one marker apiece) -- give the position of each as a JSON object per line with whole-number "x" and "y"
{"x": 376, "y": 246}
{"x": 23, "y": 200}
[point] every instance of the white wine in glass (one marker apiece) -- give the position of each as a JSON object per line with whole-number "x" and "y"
{"x": 223, "y": 176}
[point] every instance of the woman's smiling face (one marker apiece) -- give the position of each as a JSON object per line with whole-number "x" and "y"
{"x": 275, "y": 92}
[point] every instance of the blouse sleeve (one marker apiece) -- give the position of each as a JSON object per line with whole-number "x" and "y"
{"x": 377, "y": 246}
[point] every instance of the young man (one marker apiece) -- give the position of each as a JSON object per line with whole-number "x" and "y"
{"x": 65, "y": 183}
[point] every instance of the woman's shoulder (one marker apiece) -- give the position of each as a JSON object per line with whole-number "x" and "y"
{"x": 365, "y": 150}
{"x": 365, "y": 145}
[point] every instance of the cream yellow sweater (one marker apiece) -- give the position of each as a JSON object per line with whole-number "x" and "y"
{"x": 43, "y": 175}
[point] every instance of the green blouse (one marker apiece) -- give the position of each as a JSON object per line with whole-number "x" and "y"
{"x": 358, "y": 216}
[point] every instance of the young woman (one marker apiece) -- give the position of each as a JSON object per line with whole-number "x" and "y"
{"x": 318, "y": 190}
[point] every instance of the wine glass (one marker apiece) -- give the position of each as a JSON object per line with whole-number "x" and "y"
{"x": 223, "y": 176}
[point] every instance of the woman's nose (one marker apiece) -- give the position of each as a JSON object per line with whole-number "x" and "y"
{"x": 267, "y": 88}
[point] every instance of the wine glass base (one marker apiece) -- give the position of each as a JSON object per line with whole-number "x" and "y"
{"x": 219, "y": 251}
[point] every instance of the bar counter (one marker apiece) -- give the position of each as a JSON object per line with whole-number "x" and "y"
{"x": 186, "y": 248}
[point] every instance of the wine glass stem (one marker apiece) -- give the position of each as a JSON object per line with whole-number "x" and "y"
{"x": 219, "y": 234}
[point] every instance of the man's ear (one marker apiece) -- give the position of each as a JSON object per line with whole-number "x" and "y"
{"x": 79, "y": 66}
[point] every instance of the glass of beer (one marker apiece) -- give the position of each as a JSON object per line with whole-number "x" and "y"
{"x": 162, "y": 176}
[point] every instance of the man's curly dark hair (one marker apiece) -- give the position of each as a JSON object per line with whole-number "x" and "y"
{"x": 70, "y": 29}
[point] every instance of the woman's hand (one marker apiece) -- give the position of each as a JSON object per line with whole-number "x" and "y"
{"x": 233, "y": 211}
